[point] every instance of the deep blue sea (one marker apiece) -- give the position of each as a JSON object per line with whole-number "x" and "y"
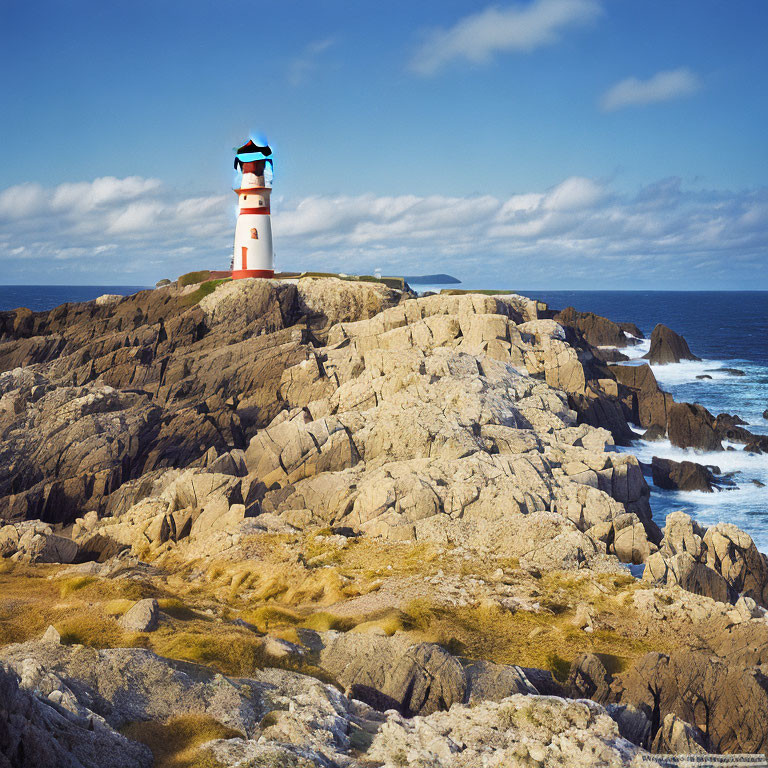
{"x": 41, "y": 297}
{"x": 725, "y": 329}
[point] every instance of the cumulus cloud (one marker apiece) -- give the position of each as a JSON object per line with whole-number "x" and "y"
{"x": 476, "y": 38}
{"x": 308, "y": 60}
{"x": 579, "y": 233}
{"x": 663, "y": 86}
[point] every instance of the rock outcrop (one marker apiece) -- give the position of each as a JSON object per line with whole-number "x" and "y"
{"x": 414, "y": 679}
{"x": 251, "y": 447}
{"x": 284, "y": 717}
{"x": 39, "y": 729}
{"x": 152, "y": 381}
{"x": 598, "y": 331}
{"x": 720, "y": 562}
{"x": 726, "y": 701}
{"x": 428, "y": 422}
{"x": 519, "y": 730}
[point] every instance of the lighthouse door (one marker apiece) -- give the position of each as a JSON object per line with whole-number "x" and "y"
{"x": 245, "y": 257}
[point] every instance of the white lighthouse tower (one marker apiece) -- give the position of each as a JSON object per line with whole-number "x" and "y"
{"x": 253, "y": 233}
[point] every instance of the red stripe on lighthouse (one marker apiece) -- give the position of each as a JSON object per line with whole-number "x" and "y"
{"x": 264, "y": 210}
{"x": 240, "y": 273}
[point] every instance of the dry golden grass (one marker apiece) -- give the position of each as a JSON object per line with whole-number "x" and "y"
{"x": 176, "y": 742}
{"x": 292, "y": 582}
{"x": 548, "y": 639}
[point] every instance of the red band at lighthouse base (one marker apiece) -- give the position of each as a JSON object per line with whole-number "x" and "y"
{"x": 237, "y": 274}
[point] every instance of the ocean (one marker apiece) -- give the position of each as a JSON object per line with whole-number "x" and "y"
{"x": 726, "y": 329}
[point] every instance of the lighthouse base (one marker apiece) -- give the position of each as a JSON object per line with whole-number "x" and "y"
{"x": 238, "y": 274}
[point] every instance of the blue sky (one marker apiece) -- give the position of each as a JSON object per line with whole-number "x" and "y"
{"x": 533, "y": 144}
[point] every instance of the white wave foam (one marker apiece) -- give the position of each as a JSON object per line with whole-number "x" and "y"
{"x": 745, "y": 505}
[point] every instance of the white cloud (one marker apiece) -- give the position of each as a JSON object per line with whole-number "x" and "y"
{"x": 308, "y": 60}
{"x": 663, "y": 86}
{"x": 573, "y": 194}
{"x": 137, "y": 230}
{"x": 478, "y": 37}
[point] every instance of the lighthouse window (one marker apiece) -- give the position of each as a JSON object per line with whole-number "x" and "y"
{"x": 254, "y": 233}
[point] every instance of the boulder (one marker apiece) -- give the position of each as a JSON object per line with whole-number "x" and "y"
{"x": 678, "y": 738}
{"x": 142, "y": 616}
{"x": 589, "y": 679}
{"x": 668, "y": 347}
{"x": 681, "y": 475}
{"x": 329, "y": 301}
{"x": 51, "y": 635}
{"x": 34, "y": 541}
{"x": 393, "y": 673}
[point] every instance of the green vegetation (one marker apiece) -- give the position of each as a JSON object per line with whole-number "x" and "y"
{"x": 205, "y": 289}
{"x": 191, "y": 278}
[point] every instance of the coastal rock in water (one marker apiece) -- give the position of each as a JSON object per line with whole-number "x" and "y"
{"x": 654, "y": 433}
{"x": 759, "y": 444}
{"x": 668, "y": 347}
{"x": 644, "y": 402}
{"x": 632, "y": 330}
{"x": 692, "y": 426}
{"x": 681, "y": 475}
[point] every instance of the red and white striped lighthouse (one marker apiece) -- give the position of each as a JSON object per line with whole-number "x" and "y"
{"x": 253, "y": 232}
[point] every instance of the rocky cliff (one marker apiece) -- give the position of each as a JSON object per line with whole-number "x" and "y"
{"x": 362, "y": 528}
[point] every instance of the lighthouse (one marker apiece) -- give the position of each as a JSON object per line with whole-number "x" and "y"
{"x": 253, "y": 231}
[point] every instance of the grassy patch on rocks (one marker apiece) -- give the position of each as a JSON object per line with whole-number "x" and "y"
{"x": 525, "y": 638}
{"x": 176, "y": 742}
{"x": 205, "y": 289}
